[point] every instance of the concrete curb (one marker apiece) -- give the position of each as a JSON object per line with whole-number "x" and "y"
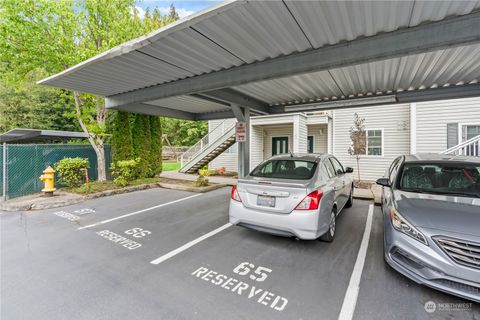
{"x": 38, "y": 201}
{"x": 120, "y": 191}
{"x": 374, "y": 193}
{"x": 41, "y": 206}
{"x": 192, "y": 189}
{"x": 31, "y": 205}
{"x": 364, "y": 194}
{"x": 8, "y": 207}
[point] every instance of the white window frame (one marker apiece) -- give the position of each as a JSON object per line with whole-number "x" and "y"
{"x": 366, "y": 142}
{"x": 461, "y": 124}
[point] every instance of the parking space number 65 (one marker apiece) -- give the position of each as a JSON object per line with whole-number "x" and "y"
{"x": 259, "y": 274}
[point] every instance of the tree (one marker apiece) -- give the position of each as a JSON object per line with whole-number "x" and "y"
{"x": 172, "y": 13}
{"x": 55, "y": 35}
{"x": 142, "y": 144}
{"x": 184, "y": 132}
{"x": 121, "y": 137}
{"x": 27, "y": 105}
{"x": 155, "y": 145}
{"x": 359, "y": 140}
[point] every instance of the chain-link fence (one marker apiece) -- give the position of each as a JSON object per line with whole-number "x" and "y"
{"x": 1, "y": 172}
{"x": 26, "y": 162}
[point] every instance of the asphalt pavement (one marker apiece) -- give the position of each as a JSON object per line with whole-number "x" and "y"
{"x": 93, "y": 260}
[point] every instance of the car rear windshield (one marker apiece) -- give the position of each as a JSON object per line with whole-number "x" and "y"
{"x": 448, "y": 178}
{"x": 286, "y": 169}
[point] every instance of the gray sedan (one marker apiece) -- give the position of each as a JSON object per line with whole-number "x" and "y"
{"x": 297, "y": 195}
{"x": 431, "y": 206}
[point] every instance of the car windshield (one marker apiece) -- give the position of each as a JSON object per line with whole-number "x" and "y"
{"x": 448, "y": 178}
{"x": 286, "y": 169}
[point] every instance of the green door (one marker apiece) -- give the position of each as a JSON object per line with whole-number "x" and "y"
{"x": 310, "y": 144}
{"x": 279, "y": 145}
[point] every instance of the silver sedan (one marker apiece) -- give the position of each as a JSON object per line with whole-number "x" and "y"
{"x": 431, "y": 207}
{"x": 293, "y": 195}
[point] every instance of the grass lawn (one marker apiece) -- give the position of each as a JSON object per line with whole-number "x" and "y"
{"x": 170, "y": 166}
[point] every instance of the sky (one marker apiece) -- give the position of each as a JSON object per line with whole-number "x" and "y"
{"x": 184, "y": 8}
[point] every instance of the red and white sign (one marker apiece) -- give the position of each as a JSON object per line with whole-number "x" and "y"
{"x": 241, "y": 131}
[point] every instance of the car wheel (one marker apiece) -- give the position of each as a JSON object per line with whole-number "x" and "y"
{"x": 350, "y": 199}
{"x": 330, "y": 235}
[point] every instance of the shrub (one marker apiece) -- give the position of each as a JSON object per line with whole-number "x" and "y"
{"x": 207, "y": 172}
{"x": 125, "y": 171}
{"x": 201, "y": 182}
{"x": 142, "y": 143}
{"x": 71, "y": 171}
{"x": 120, "y": 181}
{"x": 156, "y": 145}
{"x": 121, "y": 137}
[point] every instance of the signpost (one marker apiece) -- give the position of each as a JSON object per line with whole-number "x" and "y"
{"x": 241, "y": 131}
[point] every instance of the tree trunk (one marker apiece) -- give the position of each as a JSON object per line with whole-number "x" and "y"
{"x": 95, "y": 141}
{"x": 101, "y": 165}
{"x": 358, "y": 168}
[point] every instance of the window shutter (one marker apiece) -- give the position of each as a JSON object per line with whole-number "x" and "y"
{"x": 452, "y": 135}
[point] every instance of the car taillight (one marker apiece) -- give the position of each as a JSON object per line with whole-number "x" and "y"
{"x": 310, "y": 202}
{"x": 235, "y": 195}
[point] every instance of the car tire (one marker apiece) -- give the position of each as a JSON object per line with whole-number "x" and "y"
{"x": 329, "y": 236}
{"x": 350, "y": 199}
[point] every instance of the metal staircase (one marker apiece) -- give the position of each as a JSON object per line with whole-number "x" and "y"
{"x": 208, "y": 148}
{"x": 470, "y": 147}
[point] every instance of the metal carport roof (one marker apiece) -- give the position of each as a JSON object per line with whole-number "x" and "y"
{"x": 276, "y": 56}
{"x": 20, "y": 135}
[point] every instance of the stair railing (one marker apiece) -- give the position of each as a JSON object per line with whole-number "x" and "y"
{"x": 204, "y": 142}
{"x": 471, "y": 147}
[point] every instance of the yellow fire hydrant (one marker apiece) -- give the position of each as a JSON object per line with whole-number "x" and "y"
{"x": 48, "y": 178}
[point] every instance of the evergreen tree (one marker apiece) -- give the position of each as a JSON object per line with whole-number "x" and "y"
{"x": 141, "y": 138}
{"x": 156, "y": 145}
{"x": 172, "y": 13}
{"x": 121, "y": 137}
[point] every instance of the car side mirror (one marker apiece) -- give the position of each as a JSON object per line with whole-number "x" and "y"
{"x": 348, "y": 169}
{"x": 384, "y": 182}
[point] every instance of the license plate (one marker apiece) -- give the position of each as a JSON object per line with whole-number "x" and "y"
{"x": 266, "y": 201}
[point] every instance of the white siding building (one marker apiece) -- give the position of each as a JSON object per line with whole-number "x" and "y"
{"x": 392, "y": 130}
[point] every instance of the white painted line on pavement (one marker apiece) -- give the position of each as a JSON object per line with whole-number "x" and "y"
{"x": 189, "y": 244}
{"x": 351, "y": 296}
{"x": 140, "y": 211}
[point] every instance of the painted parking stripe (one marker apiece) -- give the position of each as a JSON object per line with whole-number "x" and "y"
{"x": 351, "y": 296}
{"x": 189, "y": 244}
{"x": 139, "y": 211}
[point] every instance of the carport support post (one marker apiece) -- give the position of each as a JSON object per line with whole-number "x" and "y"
{"x": 243, "y": 115}
{"x": 4, "y": 172}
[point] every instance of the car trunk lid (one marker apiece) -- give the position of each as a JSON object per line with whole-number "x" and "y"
{"x": 272, "y": 195}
